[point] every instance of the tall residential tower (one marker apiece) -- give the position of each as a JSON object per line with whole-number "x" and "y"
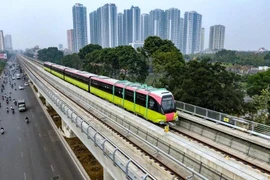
{"x": 120, "y": 18}
{"x": 103, "y": 26}
{"x": 8, "y": 42}
{"x": 202, "y": 39}
{"x": 157, "y": 23}
{"x": 70, "y": 43}
{"x": 192, "y": 32}
{"x": 173, "y": 26}
{"x": 216, "y": 37}
{"x": 144, "y": 26}
{"x": 2, "y": 41}
{"x": 131, "y": 25}
{"x": 79, "y": 26}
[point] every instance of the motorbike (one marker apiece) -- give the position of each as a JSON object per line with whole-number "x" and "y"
{"x": 2, "y": 130}
{"x": 13, "y": 111}
{"x": 27, "y": 121}
{"x": 7, "y": 110}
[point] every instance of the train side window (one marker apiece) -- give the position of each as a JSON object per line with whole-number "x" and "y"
{"x": 140, "y": 99}
{"x": 129, "y": 95}
{"x": 152, "y": 104}
{"x": 118, "y": 91}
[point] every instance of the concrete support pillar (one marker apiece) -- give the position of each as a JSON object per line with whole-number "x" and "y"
{"x": 47, "y": 103}
{"x": 106, "y": 175}
{"x": 39, "y": 94}
{"x": 67, "y": 131}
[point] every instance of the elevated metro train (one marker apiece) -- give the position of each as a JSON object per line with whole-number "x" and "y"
{"x": 154, "y": 104}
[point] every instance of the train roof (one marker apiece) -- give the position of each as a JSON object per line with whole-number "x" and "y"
{"x": 49, "y": 63}
{"x": 59, "y": 66}
{"x": 81, "y": 73}
{"x": 143, "y": 88}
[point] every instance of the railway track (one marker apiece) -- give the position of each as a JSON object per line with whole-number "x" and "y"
{"x": 177, "y": 130}
{"x": 120, "y": 133}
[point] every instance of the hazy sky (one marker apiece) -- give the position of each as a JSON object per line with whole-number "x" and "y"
{"x": 45, "y": 22}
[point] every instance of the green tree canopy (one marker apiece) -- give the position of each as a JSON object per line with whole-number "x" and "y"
{"x": 51, "y": 54}
{"x": 262, "y": 105}
{"x": 155, "y": 43}
{"x": 122, "y": 62}
{"x": 226, "y": 56}
{"x": 267, "y": 59}
{"x": 92, "y": 62}
{"x": 257, "y": 82}
{"x": 168, "y": 65}
{"x": 211, "y": 86}
{"x": 72, "y": 60}
{"x": 88, "y": 49}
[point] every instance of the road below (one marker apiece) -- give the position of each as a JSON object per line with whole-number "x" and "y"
{"x": 30, "y": 151}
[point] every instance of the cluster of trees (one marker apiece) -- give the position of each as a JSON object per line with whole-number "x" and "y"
{"x": 198, "y": 82}
{"x": 257, "y": 87}
{"x": 51, "y": 54}
{"x": 122, "y": 62}
{"x": 234, "y": 57}
{"x": 202, "y": 81}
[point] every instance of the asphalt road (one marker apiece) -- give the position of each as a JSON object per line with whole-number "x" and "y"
{"x": 31, "y": 151}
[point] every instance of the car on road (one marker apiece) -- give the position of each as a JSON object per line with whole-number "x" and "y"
{"x": 21, "y": 87}
{"x": 26, "y": 84}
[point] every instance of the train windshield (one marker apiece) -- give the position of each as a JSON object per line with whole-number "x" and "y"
{"x": 168, "y": 104}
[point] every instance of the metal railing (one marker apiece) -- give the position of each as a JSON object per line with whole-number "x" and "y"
{"x": 119, "y": 158}
{"x": 250, "y": 127}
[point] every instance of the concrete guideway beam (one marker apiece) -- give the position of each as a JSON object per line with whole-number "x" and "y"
{"x": 67, "y": 130}
{"x": 106, "y": 175}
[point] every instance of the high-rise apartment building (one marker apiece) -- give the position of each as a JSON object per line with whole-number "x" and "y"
{"x": 70, "y": 43}
{"x": 103, "y": 26}
{"x": 216, "y": 37}
{"x": 93, "y": 21}
{"x": 8, "y": 42}
{"x": 120, "y": 18}
{"x": 181, "y": 39}
{"x": 136, "y": 23}
{"x": 109, "y": 26}
{"x": 192, "y": 32}
{"x": 127, "y": 27}
{"x": 79, "y": 26}
{"x": 172, "y": 26}
{"x": 2, "y": 41}
{"x": 157, "y": 23}
{"x": 202, "y": 39}
{"x": 144, "y": 26}
{"x": 131, "y": 25}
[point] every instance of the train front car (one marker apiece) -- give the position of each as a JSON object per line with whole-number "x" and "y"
{"x": 166, "y": 107}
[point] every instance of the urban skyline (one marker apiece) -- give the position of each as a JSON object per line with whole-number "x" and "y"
{"x": 131, "y": 27}
{"x": 48, "y": 28}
